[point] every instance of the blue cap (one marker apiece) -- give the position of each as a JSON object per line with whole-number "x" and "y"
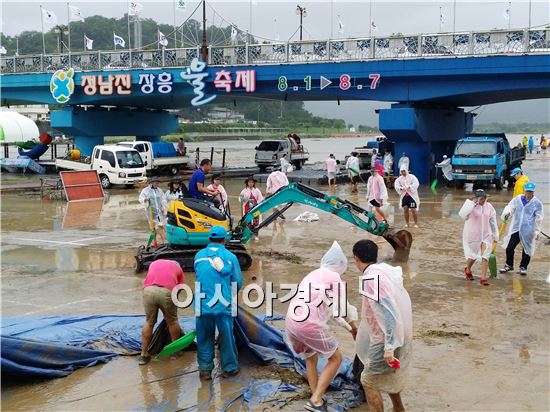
{"x": 516, "y": 171}
{"x": 530, "y": 187}
{"x": 217, "y": 232}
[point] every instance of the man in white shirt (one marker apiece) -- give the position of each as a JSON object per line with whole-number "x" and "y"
{"x": 331, "y": 170}
{"x": 352, "y": 165}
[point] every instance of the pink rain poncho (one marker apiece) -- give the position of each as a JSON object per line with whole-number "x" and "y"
{"x": 407, "y": 184}
{"x": 306, "y": 324}
{"x": 376, "y": 189}
{"x": 480, "y": 227}
{"x": 275, "y": 181}
{"x": 386, "y": 325}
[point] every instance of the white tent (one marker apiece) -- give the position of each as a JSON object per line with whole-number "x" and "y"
{"x": 15, "y": 127}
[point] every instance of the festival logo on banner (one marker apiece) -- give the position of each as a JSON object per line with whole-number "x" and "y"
{"x": 62, "y": 85}
{"x": 195, "y": 75}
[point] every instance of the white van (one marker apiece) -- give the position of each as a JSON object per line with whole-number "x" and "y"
{"x": 115, "y": 165}
{"x": 156, "y": 163}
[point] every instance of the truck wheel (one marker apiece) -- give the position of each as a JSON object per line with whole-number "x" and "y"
{"x": 499, "y": 183}
{"x": 297, "y": 164}
{"x": 105, "y": 182}
{"x": 129, "y": 186}
{"x": 262, "y": 169}
{"x": 174, "y": 170}
{"x": 459, "y": 184}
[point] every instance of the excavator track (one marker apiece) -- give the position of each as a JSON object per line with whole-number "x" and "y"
{"x": 185, "y": 256}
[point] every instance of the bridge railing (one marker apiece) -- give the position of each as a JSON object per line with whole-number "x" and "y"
{"x": 359, "y": 49}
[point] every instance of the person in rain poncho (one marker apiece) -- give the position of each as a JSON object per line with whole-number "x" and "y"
{"x": 331, "y": 170}
{"x": 286, "y": 167}
{"x": 524, "y": 142}
{"x": 388, "y": 163}
{"x": 480, "y": 231}
{"x": 275, "y": 181}
{"x": 406, "y": 186}
{"x": 218, "y": 278}
{"x": 156, "y": 206}
{"x": 306, "y": 323}
{"x": 216, "y": 186}
{"x": 404, "y": 162}
{"x": 352, "y": 165}
{"x": 446, "y": 169}
{"x": 385, "y": 330}
{"x": 520, "y": 180}
{"x": 527, "y": 213}
{"x": 249, "y": 197}
{"x": 531, "y": 144}
{"x": 377, "y": 194}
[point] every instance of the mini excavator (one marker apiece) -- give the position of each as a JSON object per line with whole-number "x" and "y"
{"x": 190, "y": 220}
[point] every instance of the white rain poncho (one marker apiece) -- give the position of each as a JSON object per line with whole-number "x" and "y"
{"x": 446, "y": 168}
{"x": 169, "y": 196}
{"x": 526, "y": 219}
{"x": 388, "y": 162}
{"x": 352, "y": 164}
{"x": 321, "y": 287}
{"x": 407, "y": 184}
{"x": 157, "y": 202}
{"x": 386, "y": 324}
{"x": 480, "y": 226}
{"x": 376, "y": 188}
{"x": 404, "y": 163}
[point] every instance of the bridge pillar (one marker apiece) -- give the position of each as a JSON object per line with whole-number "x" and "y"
{"x": 424, "y": 133}
{"x": 85, "y": 125}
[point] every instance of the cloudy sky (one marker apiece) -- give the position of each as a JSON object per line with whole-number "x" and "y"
{"x": 272, "y": 20}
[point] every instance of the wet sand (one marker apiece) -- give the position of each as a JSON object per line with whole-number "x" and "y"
{"x": 475, "y": 348}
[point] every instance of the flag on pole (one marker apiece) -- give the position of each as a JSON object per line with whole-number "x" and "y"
{"x": 373, "y": 25}
{"x": 442, "y": 18}
{"x": 163, "y": 41}
{"x": 75, "y": 13}
{"x": 134, "y": 8}
{"x": 118, "y": 40}
{"x": 89, "y": 43}
{"x": 234, "y": 33}
{"x": 3, "y": 50}
{"x": 506, "y": 13}
{"x": 49, "y": 16}
{"x": 340, "y": 26}
{"x": 181, "y": 5}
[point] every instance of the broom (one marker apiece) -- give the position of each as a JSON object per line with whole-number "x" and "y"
{"x": 493, "y": 256}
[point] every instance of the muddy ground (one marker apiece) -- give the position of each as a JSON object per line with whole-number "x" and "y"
{"x": 475, "y": 348}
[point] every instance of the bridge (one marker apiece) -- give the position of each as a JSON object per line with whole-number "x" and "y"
{"x": 427, "y": 77}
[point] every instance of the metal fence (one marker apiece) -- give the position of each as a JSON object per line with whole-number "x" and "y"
{"x": 372, "y": 48}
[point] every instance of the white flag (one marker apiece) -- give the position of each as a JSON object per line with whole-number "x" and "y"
{"x": 49, "y": 17}
{"x": 3, "y": 50}
{"x": 506, "y": 13}
{"x": 373, "y": 25}
{"x": 75, "y": 13}
{"x": 134, "y": 8}
{"x": 89, "y": 42}
{"x": 119, "y": 41}
{"x": 234, "y": 33}
{"x": 163, "y": 41}
{"x": 340, "y": 26}
{"x": 181, "y": 5}
{"x": 442, "y": 18}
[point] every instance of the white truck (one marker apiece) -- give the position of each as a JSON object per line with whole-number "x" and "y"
{"x": 115, "y": 165}
{"x": 270, "y": 152}
{"x": 158, "y": 156}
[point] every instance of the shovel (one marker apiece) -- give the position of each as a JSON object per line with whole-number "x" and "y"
{"x": 151, "y": 228}
{"x": 178, "y": 345}
{"x": 493, "y": 256}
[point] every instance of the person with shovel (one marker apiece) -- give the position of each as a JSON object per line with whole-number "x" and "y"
{"x": 152, "y": 197}
{"x": 354, "y": 172}
{"x": 480, "y": 231}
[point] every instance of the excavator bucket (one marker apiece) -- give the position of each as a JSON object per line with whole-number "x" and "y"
{"x": 401, "y": 241}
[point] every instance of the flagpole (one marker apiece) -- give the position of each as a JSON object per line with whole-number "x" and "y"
{"x": 331, "y": 19}
{"x": 454, "y": 16}
{"x": 84, "y": 49}
{"x": 128, "y": 15}
{"x": 440, "y": 16}
{"x": 43, "y": 39}
{"x": 509, "y": 15}
{"x": 114, "y": 42}
{"x": 370, "y": 17}
{"x": 529, "y": 26}
{"x": 69, "y": 27}
{"x": 175, "y": 30}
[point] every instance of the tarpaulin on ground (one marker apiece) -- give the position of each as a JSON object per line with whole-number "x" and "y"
{"x": 119, "y": 334}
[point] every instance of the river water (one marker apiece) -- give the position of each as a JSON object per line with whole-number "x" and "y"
{"x": 60, "y": 259}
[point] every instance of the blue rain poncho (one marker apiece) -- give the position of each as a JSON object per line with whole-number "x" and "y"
{"x": 526, "y": 219}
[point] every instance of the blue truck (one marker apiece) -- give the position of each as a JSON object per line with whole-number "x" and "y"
{"x": 484, "y": 159}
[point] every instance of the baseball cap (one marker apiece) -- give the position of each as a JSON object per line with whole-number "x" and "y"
{"x": 530, "y": 187}
{"x": 217, "y": 232}
{"x": 154, "y": 179}
{"x": 516, "y": 171}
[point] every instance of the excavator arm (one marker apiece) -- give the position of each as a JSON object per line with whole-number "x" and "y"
{"x": 344, "y": 209}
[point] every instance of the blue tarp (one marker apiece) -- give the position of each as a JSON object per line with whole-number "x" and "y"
{"x": 98, "y": 338}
